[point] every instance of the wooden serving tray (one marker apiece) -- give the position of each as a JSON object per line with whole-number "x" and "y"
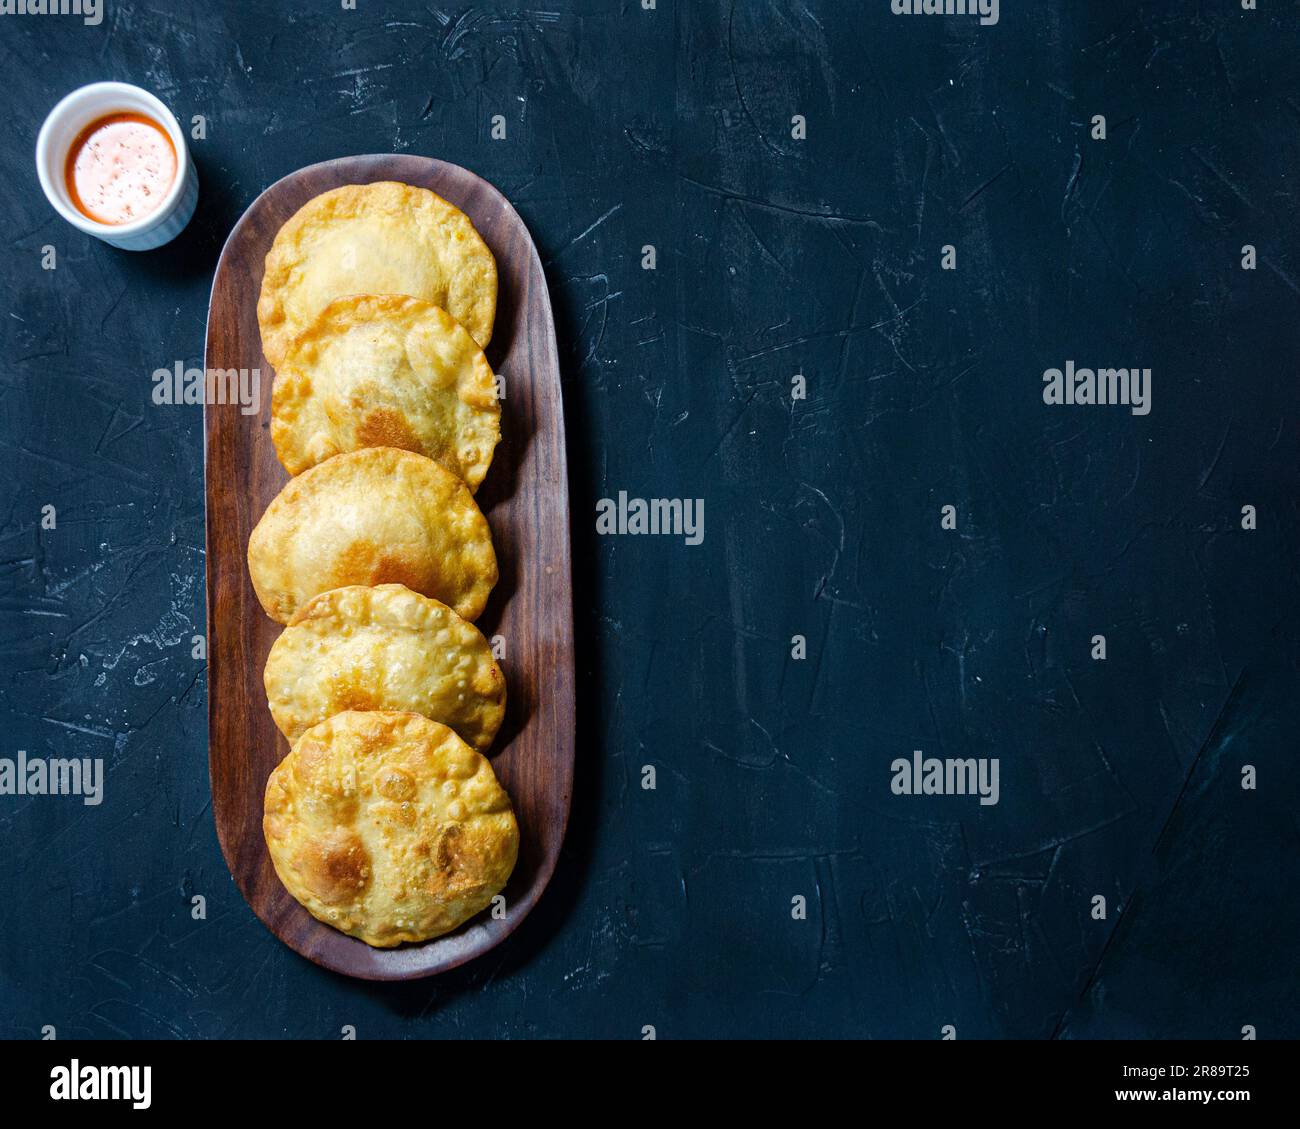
{"x": 526, "y": 501}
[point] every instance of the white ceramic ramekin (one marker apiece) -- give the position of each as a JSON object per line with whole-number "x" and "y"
{"x": 60, "y": 130}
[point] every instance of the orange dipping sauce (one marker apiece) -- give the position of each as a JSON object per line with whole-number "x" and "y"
{"x": 120, "y": 168}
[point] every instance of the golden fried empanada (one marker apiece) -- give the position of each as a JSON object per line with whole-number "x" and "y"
{"x": 389, "y": 827}
{"x": 377, "y": 516}
{"x": 381, "y": 238}
{"x": 384, "y": 648}
{"x": 386, "y": 370}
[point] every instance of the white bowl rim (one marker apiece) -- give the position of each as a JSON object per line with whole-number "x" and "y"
{"x": 109, "y": 91}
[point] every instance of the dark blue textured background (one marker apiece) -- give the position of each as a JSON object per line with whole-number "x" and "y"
{"x": 775, "y": 256}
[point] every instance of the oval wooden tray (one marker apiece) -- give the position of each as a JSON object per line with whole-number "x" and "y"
{"x": 525, "y": 498}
